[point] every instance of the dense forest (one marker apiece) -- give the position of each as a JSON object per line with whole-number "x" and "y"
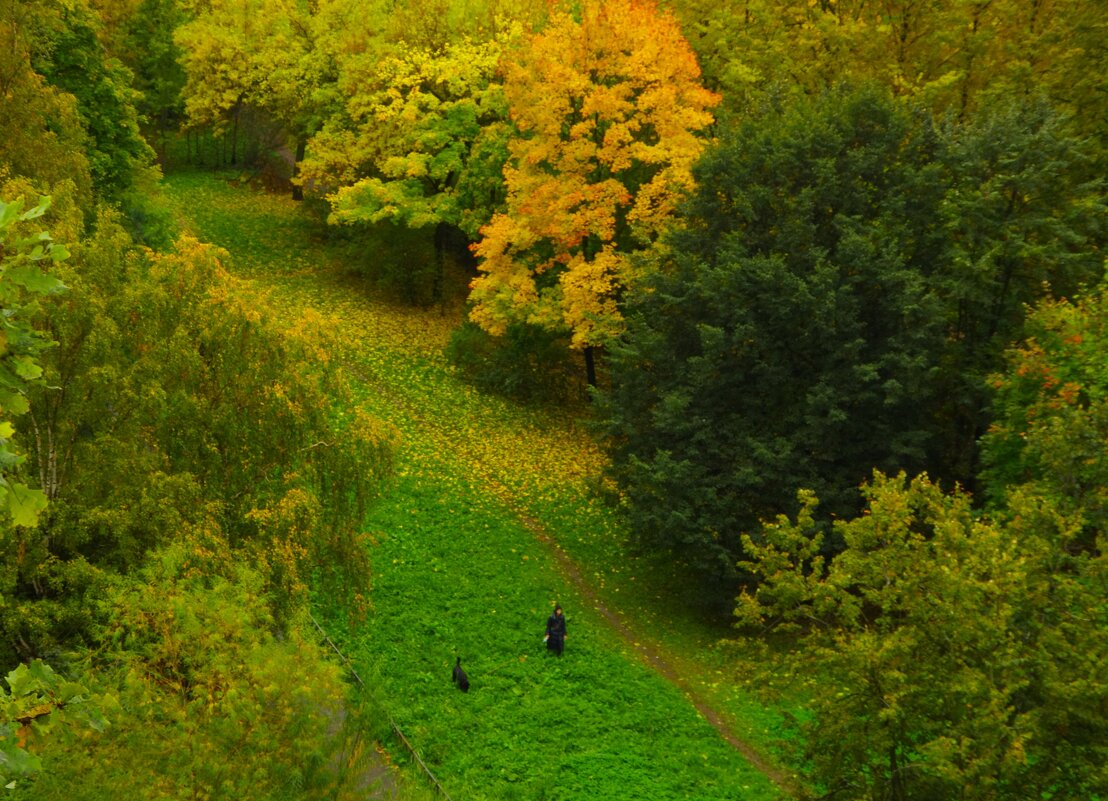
{"x": 342, "y": 339}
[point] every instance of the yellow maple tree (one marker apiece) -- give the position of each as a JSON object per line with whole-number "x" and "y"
{"x": 608, "y": 110}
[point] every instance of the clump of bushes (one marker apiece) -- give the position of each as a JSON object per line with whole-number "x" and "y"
{"x": 527, "y": 363}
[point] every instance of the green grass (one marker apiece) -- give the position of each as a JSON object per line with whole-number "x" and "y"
{"x": 456, "y": 575}
{"x": 456, "y": 571}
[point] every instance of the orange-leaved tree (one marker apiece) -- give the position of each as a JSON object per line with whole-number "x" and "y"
{"x": 607, "y": 108}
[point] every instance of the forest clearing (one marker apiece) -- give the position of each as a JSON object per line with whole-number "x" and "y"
{"x": 553, "y": 400}
{"x": 464, "y": 559}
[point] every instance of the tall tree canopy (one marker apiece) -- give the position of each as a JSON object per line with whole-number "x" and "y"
{"x": 41, "y": 135}
{"x": 430, "y": 128}
{"x": 174, "y": 411}
{"x": 76, "y": 62}
{"x": 848, "y": 277}
{"x": 607, "y": 108}
{"x": 1025, "y": 210}
{"x": 171, "y": 421}
{"x": 419, "y": 115}
{"x": 949, "y": 54}
{"x": 1050, "y": 414}
{"x": 961, "y": 655}
{"x": 210, "y": 702}
{"x": 261, "y": 55}
{"x": 957, "y": 656}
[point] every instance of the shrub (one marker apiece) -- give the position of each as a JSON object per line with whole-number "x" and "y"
{"x": 527, "y": 363}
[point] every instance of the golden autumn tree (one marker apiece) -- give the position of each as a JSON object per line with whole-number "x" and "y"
{"x": 607, "y": 106}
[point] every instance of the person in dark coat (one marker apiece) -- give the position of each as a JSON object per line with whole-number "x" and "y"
{"x": 556, "y": 631}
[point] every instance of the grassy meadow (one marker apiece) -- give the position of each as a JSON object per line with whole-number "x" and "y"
{"x": 470, "y": 546}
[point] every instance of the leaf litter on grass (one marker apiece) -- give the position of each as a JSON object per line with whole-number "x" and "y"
{"x": 473, "y": 466}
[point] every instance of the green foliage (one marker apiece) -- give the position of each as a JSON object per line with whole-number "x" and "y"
{"x": 1051, "y": 414}
{"x": 36, "y": 704}
{"x": 212, "y": 703}
{"x": 528, "y": 362}
{"x": 793, "y": 342}
{"x": 147, "y": 219}
{"x": 400, "y": 262}
{"x": 951, "y": 55}
{"x": 956, "y": 656}
{"x": 420, "y": 141}
{"x": 849, "y": 275}
{"x": 149, "y": 50}
{"x": 71, "y": 126}
{"x": 105, "y": 100}
{"x": 442, "y": 117}
{"x": 24, "y": 260}
{"x": 265, "y": 66}
{"x": 177, "y": 407}
{"x": 41, "y": 135}
{"x": 1024, "y": 217}
{"x": 435, "y": 24}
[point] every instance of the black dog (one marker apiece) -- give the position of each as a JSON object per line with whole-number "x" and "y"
{"x": 460, "y": 678}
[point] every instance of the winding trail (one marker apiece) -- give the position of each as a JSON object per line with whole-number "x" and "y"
{"x": 301, "y": 281}
{"x": 651, "y": 653}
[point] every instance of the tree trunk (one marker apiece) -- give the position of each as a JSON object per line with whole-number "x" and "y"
{"x": 235, "y": 134}
{"x": 896, "y": 781}
{"x": 442, "y": 236}
{"x": 301, "y": 148}
{"x": 234, "y": 140}
{"x": 590, "y": 366}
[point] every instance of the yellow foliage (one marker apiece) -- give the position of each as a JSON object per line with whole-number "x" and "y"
{"x": 607, "y": 112}
{"x": 412, "y": 114}
{"x": 588, "y": 290}
{"x": 258, "y": 52}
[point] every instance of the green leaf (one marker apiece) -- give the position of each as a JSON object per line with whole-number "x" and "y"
{"x": 42, "y": 673}
{"x": 25, "y": 504}
{"x": 35, "y": 280}
{"x": 70, "y": 691}
{"x": 20, "y": 680}
{"x": 19, "y": 762}
{"x": 26, "y": 368}
{"x": 36, "y": 212}
{"x": 9, "y": 212}
{"x": 13, "y": 403}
